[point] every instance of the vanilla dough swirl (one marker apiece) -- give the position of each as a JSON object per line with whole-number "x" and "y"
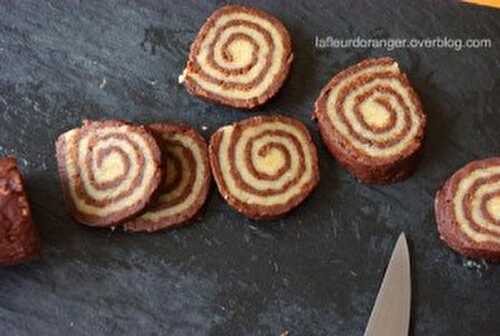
{"x": 264, "y": 166}
{"x": 240, "y": 57}
{"x": 108, "y": 170}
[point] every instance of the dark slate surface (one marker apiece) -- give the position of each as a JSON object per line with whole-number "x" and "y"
{"x": 317, "y": 271}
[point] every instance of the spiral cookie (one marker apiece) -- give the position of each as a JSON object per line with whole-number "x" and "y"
{"x": 264, "y": 166}
{"x": 372, "y": 121}
{"x": 240, "y": 58}
{"x": 468, "y": 210}
{"x": 108, "y": 171}
{"x": 185, "y": 187}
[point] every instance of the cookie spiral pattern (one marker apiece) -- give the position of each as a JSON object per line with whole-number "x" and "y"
{"x": 187, "y": 179}
{"x": 369, "y": 115}
{"x": 264, "y": 166}
{"x": 108, "y": 170}
{"x": 468, "y": 209}
{"x": 240, "y": 57}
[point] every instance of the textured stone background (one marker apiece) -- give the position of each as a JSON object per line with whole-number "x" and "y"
{"x": 317, "y": 271}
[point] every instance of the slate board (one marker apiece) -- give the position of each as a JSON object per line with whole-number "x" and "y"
{"x": 315, "y": 272}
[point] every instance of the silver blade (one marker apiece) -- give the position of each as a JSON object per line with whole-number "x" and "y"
{"x": 391, "y": 313}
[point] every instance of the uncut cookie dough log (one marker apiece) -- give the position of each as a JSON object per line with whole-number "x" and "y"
{"x": 185, "y": 188}
{"x": 264, "y": 166}
{"x": 19, "y": 239}
{"x": 109, "y": 170}
{"x": 372, "y": 121}
{"x": 240, "y": 58}
{"x": 467, "y": 210}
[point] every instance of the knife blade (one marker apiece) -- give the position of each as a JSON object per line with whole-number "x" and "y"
{"x": 390, "y": 315}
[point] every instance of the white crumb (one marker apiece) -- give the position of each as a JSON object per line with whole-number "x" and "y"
{"x": 182, "y": 76}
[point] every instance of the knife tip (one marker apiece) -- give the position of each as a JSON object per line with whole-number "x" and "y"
{"x": 402, "y": 242}
{"x": 402, "y": 236}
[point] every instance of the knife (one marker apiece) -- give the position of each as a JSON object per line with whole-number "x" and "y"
{"x": 390, "y": 315}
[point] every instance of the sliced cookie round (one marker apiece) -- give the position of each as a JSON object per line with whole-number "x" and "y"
{"x": 108, "y": 170}
{"x": 264, "y": 166}
{"x": 185, "y": 187}
{"x": 19, "y": 238}
{"x": 372, "y": 121}
{"x": 240, "y": 58}
{"x": 467, "y": 210}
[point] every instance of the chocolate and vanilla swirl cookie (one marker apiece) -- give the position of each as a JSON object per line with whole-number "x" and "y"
{"x": 372, "y": 121}
{"x": 467, "y": 210}
{"x": 264, "y": 166}
{"x": 186, "y": 181}
{"x": 108, "y": 170}
{"x": 240, "y": 58}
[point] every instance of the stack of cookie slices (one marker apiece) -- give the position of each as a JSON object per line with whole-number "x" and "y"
{"x": 147, "y": 178}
